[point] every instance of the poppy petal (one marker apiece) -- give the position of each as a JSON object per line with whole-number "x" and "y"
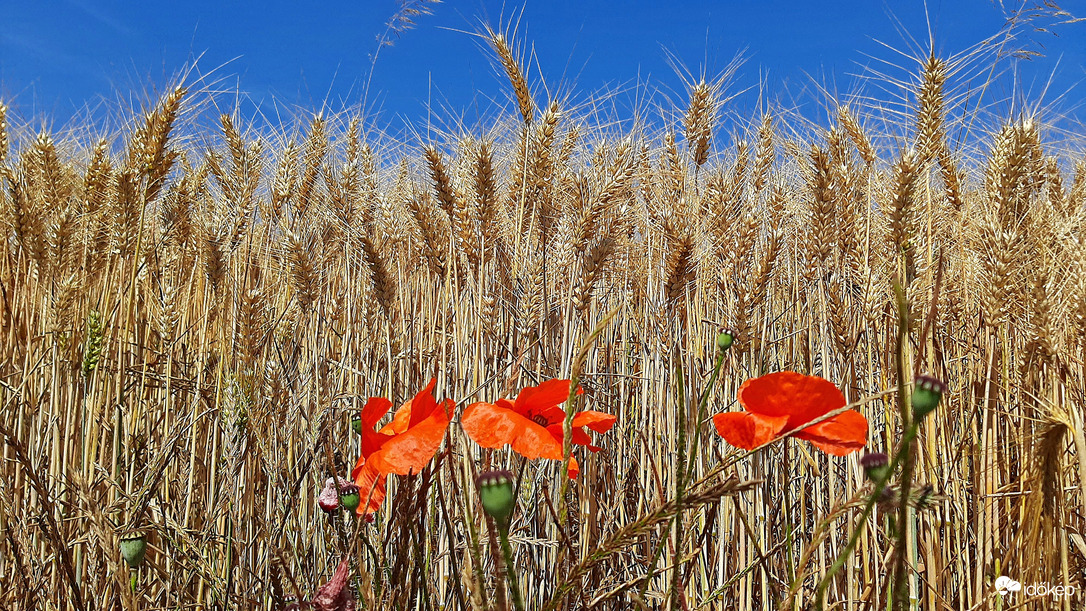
{"x": 401, "y": 420}
{"x": 580, "y": 437}
{"x": 787, "y": 393}
{"x": 748, "y": 431}
{"x": 423, "y": 404}
{"x": 489, "y": 425}
{"x": 547, "y": 394}
{"x": 373, "y": 411}
{"x": 411, "y": 450}
{"x": 597, "y": 421}
{"x": 574, "y": 468}
{"x": 841, "y": 435}
{"x": 553, "y": 414}
{"x": 493, "y": 427}
{"x": 371, "y": 442}
{"x": 367, "y": 478}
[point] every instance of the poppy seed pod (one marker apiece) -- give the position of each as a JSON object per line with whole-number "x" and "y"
{"x": 348, "y": 495}
{"x": 133, "y": 549}
{"x": 724, "y": 339}
{"x": 496, "y": 494}
{"x": 875, "y": 465}
{"x": 926, "y": 395}
{"x": 356, "y": 424}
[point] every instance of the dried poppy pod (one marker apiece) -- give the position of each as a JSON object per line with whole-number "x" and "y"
{"x": 329, "y": 496}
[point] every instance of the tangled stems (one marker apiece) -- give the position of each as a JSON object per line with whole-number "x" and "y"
{"x": 903, "y": 455}
{"x": 880, "y": 485}
{"x": 567, "y": 424}
{"x": 703, "y": 402}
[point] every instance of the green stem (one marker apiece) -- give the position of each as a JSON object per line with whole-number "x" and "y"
{"x": 903, "y": 455}
{"x": 510, "y": 574}
{"x": 703, "y": 409}
{"x": 901, "y": 587}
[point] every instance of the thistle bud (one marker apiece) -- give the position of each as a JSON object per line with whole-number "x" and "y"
{"x": 133, "y": 549}
{"x": 875, "y": 465}
{"x": 724, "y": 339}
{"x": 496, "y": 494}
{"x": 926, "y": 395}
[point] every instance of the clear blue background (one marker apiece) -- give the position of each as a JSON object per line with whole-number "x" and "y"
{"x": 58, "y": 58}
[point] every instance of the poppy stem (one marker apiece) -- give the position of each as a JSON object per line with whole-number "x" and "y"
{"x": 500, "y": 569}
{"x": 703, "y": 409}
{"x": 510, "y": 574}
{"x": 901, "y": 589}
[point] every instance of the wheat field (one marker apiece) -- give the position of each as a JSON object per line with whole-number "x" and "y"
{"x": 193, "y": 309}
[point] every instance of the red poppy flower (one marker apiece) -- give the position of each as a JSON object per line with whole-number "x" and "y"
{"x": 532, "y": 424}
{"x": 785, "y": 401}
{"x": 402, "y": 446}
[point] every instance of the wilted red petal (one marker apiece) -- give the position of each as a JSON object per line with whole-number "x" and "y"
{"x": 335, "y": 595}
{"x": 843, "y": 434}
{"x": 410, "y": 451}
{"x": 329, "y": 496}
{"x": 493, "y": 427}
{"x": 748, "y": 431}
{"x": 786, "y": 393}
{"x": 538, "y": 398}
{"x": 597, "y": 421}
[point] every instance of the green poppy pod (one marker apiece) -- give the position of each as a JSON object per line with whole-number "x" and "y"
{"x": 496, "y": 495}
{"x": 133, "y": 549}
{"x": 927, "y": 393}
{"x": 725, "y": 339}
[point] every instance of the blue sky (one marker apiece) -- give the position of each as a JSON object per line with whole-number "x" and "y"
{"x": 57, "y": 57}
